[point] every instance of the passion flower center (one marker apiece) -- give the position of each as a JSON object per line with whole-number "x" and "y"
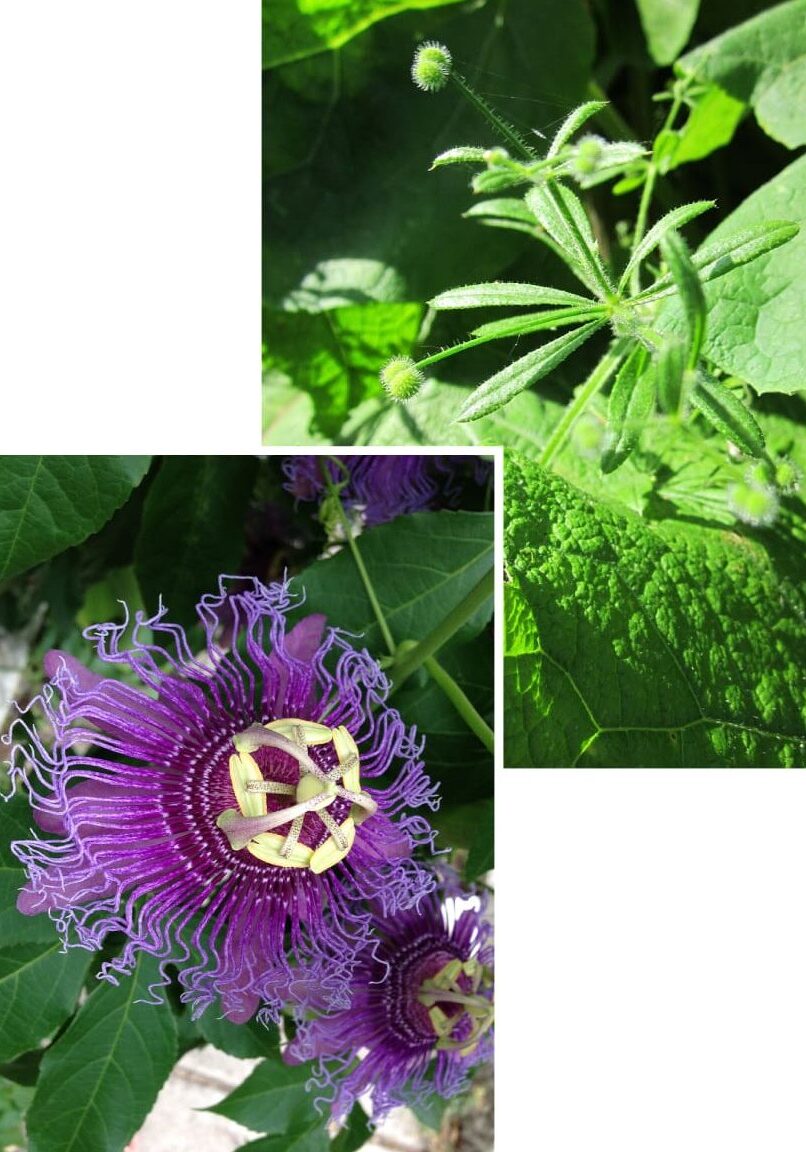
{"x": 250, "y": 825}
{"x": 455, "y": 994}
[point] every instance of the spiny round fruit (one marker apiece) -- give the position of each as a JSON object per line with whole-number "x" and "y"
{"x": 401, "y": 378}
{"x": 431, "y": 67}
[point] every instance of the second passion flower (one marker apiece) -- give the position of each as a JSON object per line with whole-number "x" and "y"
{"x": 224, "y": 811}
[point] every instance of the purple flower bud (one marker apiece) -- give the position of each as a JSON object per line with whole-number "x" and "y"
{"x": 421, "y": 1012}
{"x": 224, "y": 810}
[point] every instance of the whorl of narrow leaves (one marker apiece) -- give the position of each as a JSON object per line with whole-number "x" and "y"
{"x": 631, "y": 403}
{"x": 724, "y": 410}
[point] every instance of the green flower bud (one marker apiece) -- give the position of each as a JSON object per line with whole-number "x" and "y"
{"x": 588, "y": 155}
{"x": 755, "y": 506}
{"x": 401, "y": 378}
{"x": 431, "y": 68}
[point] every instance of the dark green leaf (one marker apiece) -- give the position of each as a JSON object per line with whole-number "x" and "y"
{"x": 39, "y": 986}
{"x": 726, "y": 412}
{"x": 667, "y": 26}
{"x": 273, "y": 1099}
{"x": 192, "y": 529}
{"x": 482, "y": 849}
{"x": 100, "y": 1079}
{"x": 310, "y": 1138}
{"x": 355, "y": 1133}
{"x": 245, "y": 1040}
{"x": 49, "y": 503}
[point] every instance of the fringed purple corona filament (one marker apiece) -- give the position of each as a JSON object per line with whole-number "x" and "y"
{"x": 380, "y": 487}
{"x": 421, "y": 1013}
{"x": 220, "y": 813}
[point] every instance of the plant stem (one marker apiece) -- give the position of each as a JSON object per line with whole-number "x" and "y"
{"x": 411, "y": 660}
{"x": 333, "y": 492}
{"x": 595, "y": 382}
{"x": 508, "y": 133}
{"x": 653, "y": 171}
{"x": 476, "y": 723}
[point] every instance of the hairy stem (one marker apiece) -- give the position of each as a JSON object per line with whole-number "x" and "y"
{"x": 594, "y": 384}
{"x": 506, "y": 131}
{"x": 649, "y": 187}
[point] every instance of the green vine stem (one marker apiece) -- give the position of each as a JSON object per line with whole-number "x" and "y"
{"x": 463, "y": 706}
{"x": 411, "y": 660}
{"x": 333, "y": 492}
{"x": 594, "y": 384}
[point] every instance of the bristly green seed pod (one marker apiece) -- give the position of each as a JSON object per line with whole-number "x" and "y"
{"x": 401, "y": 378}
{"x": 755, "y": 506}
{"x": 676, "y": 254}
{"x": 726, "y": 412}
{"x": 431, "y": 67}
{"x": 631, "y": 403}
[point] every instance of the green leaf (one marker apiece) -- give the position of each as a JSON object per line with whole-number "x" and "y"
{"x": 497, "y": 293}
{"x": 50, "y": 503}
{"x": 674, "y": 219}
{"x": 293, "y": 29}
{"x": 100, "y": 1079}
{"x": 632, "y": 401}
{"x": 192, "y": 529}
{"x": 539, "y": 322}
{"x": 500, "y": 388}
{"x": 39, "y": 986}
{"x": 761, "y": 63}
{"x": 482, "y": 850}
{"x": 355, "y": 1133}
{"x": 459, "y": 156}
{"x": 712, "y": 120}
{"x": 685, "y": 275}
{"x": 724, "y": 410}
{"x": 572, "y": 123}
{"x": 311, "y": 1137}
{"x": 755, "y": 328}
{"x": 670, "y": 368}
{"x": 578, "y": 242}
{"x": 334, "y": 357}
{"x": 667, "y": 26}
{"x": 633, "y": 643}
{"x": 421, "y": 567}
{"x": 247, "y": 1041}
{"x": 273, "y": 1099}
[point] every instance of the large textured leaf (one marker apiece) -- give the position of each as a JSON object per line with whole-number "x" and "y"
{"x": 273, "y": 1099}
{"x": 641, "y": 644}
{"x": 49, "y": 503}
{"x": 421, "y": 567}
{"x": 761, "y": 63}
{"x": 755, "y": 316}
{"x": 293, "y": 29}
{"x": 667, "y": 26}
{"x": 101, "y": 1078}
{"x": 192, "y": 529}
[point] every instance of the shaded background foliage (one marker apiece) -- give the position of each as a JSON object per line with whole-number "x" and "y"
{"x": 81, "y": 1062}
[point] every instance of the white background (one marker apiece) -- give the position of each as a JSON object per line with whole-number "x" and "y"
{"x": 652, "y": 956}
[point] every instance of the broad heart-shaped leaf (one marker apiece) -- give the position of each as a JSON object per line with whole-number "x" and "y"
{"x": 667, "y": 26}
{"x": 192, "y": 529}
{"x": 755, "y": 312}
{"x": 634, "y": 643}
{"x": 101, "y": 1078}
{"x": 334, "y": 358}
{"x": 421, "y": 567}
{"x": 293, "y": 30}
{"x": 500, "y": 388}
{"x": 761, "y": 63}
{"x": 273, "y": 1099}
{"x": 50, "y": 503}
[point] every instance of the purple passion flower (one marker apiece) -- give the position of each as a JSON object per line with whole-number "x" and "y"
{"x": 216, "y": 809}
{"x": 379, "y": 487}
{"x": 421, "y": 1012}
